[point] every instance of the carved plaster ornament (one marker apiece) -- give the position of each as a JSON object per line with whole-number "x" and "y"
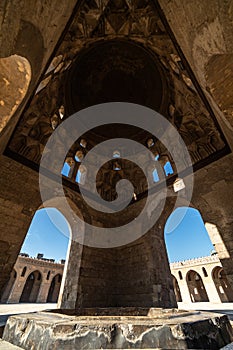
{"x": 59, "y": 67}
{"x": 188, "y": 82}
{"x": 55, "y": 62}
{"x": 174, "y": 67}
{"x": 83, "y": 143}
{"x": 171, "y": 110}
{"x": 79, "y": 156}
{"x": 116, "y": 154}
{"x": 82, "y": 169}
{"x": 83, "y": 172}
{"x": 175, "y": 57}
{"x": 70, "y": 161}
{"x": 163, "y": 160}
{"x": 150, "y": 143}
{"x": 61, "y": 111}
{"x": 192, "y": 126}
{"x": 54, "y": 121}
{"x": 116, "y": 166}
{"x": 156, "y": 155}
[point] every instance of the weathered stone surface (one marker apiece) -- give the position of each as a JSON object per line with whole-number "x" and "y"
{"x": 7, "y": 346}
{"x": 151, "y": 328}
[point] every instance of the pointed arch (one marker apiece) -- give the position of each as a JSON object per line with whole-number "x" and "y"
{"x": 31, "y": 287}
{"x": 176, "y": 289}
{"x": 81, "y": 175}
{"x": 196, "y": 287}
{"x": 76, "y": 236}
{"x": 54, "y": 289}
{"x": 8, "y": 289}
{"x": 221, "y": 282}
{"x": 24, "y": 271}
{"x": 185, "y": 224}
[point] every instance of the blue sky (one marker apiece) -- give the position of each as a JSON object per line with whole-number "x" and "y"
{"x": 45, "y": 237}
{"x": 185, "y": 240}
{"x": 186, "y": 236}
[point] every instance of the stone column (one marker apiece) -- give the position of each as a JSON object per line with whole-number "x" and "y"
{"x": 17, "y": 290}
{"x": 159, "y": 270}
{"x": 43, "y": 292}
{"x": 70, "y": 289}
{"x": 211, "y": 290}
{"x": 184, "y": 291}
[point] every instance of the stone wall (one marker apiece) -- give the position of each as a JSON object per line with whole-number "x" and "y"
{"x": 19, "y": 199}
{"x": 30, "y": 30}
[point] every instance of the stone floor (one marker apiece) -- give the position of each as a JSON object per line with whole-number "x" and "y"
{"x": 7, "y": 310}
{"x": 223, "y": 308}
{"x": 25, "y": 307}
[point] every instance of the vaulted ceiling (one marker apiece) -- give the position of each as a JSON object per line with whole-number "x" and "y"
{"x": 118, "y": 51}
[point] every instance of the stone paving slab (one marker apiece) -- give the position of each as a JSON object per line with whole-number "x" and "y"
{"x": 4, "y": 345}
{"x": 12, "y": 309}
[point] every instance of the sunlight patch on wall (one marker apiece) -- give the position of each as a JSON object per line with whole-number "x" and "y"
{"x": 15, "y": 77}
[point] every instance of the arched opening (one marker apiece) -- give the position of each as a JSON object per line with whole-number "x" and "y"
{"x": 176, "y": 289}
{"x": 186, "y": 236}
{"x": 196, "y": 287}
{"x": 186, "y": 240}
{"x": 9, "y": 286}
{"x": 68, "y": 167}
{"x": 48, "y": 275}
{"x": 31, "y": 288}
{"x": 79, "y": 156}
{"x": 47, "y": 241}
{"x": 49, "y": 234}
{"x": 24, "y": 271}
{"x": 54, "y": 289}
{"x": 81, "y": 175}
{"x": 168, "y": 169}
{"x": 155, "y": 175}
{"x": 204, "y": 272}
{"x": 223, "y": 287}
{"x": 15, "y": 76}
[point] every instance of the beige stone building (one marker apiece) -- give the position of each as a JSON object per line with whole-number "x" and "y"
{"x": 33, "y": 280}
{"x": 194, "y": 280}
{"x": 201, "y": 279}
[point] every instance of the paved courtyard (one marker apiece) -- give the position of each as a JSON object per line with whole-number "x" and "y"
{"x": 224, "y": 308}
{"x": 12, "y": 309}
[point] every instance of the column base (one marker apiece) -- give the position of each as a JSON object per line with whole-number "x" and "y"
{"x": 119, "y": 328}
